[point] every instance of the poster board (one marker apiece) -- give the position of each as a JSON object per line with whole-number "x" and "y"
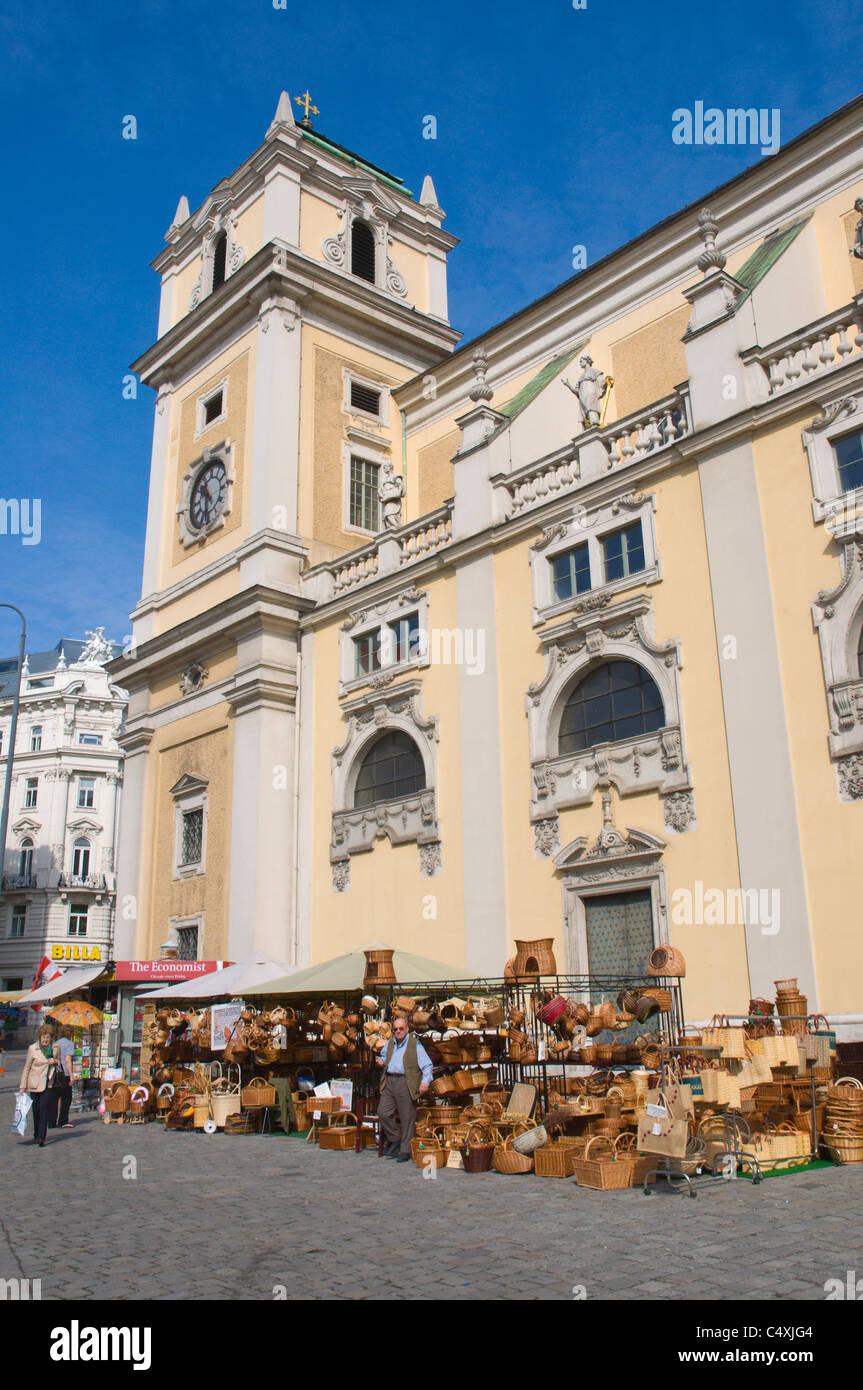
{"x": 345, "y": 1089}
{"x": 222, "y": 1016}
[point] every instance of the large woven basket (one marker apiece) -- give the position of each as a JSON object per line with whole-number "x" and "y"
{"x": 508, "y": 1160}
{"x": 845, "y": 1148}
{"x": 258, "y": 1092}
{"x": 599, "y": 1168}
{"x": 429, "y": 1150}
{"x": 342, "y": 1136}
{"x": 556, "y": 1160}
{"x": 667, "y": 961}
{"x": 119, "y": 1099}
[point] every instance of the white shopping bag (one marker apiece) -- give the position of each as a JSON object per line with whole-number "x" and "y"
{"x": 23, "y": 1106}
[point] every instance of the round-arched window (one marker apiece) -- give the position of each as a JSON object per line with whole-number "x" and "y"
{"x": 615, "y": 701}
{"x": 363, "y": 251}
{"x": 392, "y": 767}
{"x": 81, "y": 858}
{"x": 25, "y": 860}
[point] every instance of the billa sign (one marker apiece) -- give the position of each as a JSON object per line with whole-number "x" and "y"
{"x": 127, "y": 970}
{"x": 81, "y": 952}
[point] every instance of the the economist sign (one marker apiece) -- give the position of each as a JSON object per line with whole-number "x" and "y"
{"x": 126, "y": 970}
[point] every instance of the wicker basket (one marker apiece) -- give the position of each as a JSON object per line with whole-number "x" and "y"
{"x": 429, "y": 1150}
{"x": 845, "y": 1148}
{"x": 786, "y": 986}
{"x": 119, "y": 1099}
{"x": 258, "y": 1092}
{"x": 534, "y": 958}
{"x": 599, "y": 1168}
{"x": 463, "y": 1080}
{"x": 556, "y": 1160}
{"x": 326, "y": 1105}
{"x": 341, "y": 1137}
{"x": 509, "y": 1161}
{"x": 667, "y": 961}
{"x": 477, "y": 1158}
{"x": 661, "y": 995}
{"x": 141, "y": 1099}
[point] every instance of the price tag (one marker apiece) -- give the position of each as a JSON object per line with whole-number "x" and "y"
{"x": 657, "y": 1129}
{"x": 316, "y": 1114}
{"x": 454, "y": 1159}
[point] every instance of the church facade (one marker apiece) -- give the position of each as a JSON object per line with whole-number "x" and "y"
{"x": 554, "y": 634}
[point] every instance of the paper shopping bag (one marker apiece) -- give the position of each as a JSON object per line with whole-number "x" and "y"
{"x": 662, "y": 1136}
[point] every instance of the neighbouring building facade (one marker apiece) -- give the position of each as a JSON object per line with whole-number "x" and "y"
{"x": 554, "y": 634}
{"x": 58, "y": 879}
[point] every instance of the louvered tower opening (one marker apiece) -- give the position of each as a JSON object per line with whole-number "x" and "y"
{"x": 363, "y": 252}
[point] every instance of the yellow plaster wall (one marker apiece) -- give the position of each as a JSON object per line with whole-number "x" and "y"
{"x": 184, "y": 283}
{"x": 190, "y": 446}
{"x": 201, "y": 600}
{"x": 201, "y": 744}
{"x": 717, "y": 975}
{"x": 388, "y": 897}
{"x": 433, "y": 472}
{"x": 648, "y": 364}
{"x": 249, "y": 227}
{"x": 322, "y": 502}
{"x": 803, "y": 560}
{"x": 163, "y": 692}
{"x": 318, "y": 220}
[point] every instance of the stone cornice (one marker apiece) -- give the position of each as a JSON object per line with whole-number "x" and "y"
{"x": 261, "y": 540}
{"x": 253, "y": 610}
{"x": 326, "y": 296}
{"x": 804, "y": 173}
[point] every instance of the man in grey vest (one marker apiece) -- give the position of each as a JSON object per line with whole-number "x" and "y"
{"x": 407, "y": 1075}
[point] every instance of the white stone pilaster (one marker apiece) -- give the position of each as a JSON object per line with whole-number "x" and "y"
{"x": 275, "y": 447}
{"x": 156, "y": 515}
{"x": 132, "y": 856}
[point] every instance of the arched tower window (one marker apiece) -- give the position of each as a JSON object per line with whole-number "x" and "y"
{"x": 393, "y": 766}
{"x": 363, "y": 251}
{"x": 220, "y": 259}
{"x": 617, "y": 700}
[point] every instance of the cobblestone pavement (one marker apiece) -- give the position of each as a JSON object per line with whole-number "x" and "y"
{"x": 235, "y": 1218}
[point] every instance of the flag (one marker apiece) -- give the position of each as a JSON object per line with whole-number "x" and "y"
{"x": 45, "y": 971}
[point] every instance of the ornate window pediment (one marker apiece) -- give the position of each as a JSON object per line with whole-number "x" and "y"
{"x": 215, "y": 218}
{"x": 586, "y": 531}
{"x": 413, "y": 817}
{"x": 380, "y": 618}
{"x": 838, "y": 618}
{"x": 365, "y": 201}
{"x": 843, "y": 511}
{"x": 602, "y": 633}
{"x": 613, "y": 854}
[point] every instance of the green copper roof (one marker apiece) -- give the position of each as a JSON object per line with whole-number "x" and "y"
{"x": 754, "y": 269}
{"x": 350, "y": 158}
{"x": 537, "y": 383}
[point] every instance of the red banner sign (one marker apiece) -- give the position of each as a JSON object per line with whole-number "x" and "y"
{"x": 165, "y": 969}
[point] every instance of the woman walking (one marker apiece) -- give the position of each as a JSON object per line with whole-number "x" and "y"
{"x": 40, "y": 1066}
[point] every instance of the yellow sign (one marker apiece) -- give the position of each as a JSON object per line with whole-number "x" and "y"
{"x": 70, "y": 952}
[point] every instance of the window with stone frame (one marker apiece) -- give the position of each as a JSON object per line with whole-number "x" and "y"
{"x": 848, "y": 450}
{"x": 31, "y": 792}
{"x": 616, "y": 700}
{"x": 78, "y": 919}
{"x": 392, "y": 767}
{"x": 364, "y": 502}
{"x": 191, "y": 836}
{"x": 18, "y": 921}
{"x": 187, "y": 943}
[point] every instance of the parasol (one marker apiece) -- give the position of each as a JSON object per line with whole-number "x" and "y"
{"x": 75, "y": 1013}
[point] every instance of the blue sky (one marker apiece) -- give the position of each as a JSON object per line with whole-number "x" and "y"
{"x": 553, "y": 130}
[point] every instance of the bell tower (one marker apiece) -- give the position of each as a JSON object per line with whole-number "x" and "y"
{"x": 306, "y": 287}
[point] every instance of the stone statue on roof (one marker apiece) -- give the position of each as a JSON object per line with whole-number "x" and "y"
{"x": 97, "y": 651}
{"x": 590, "y": 390}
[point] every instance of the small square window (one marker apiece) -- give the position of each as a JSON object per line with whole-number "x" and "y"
{"x": 35, "y": 738}
{"x": 90, "y": 740}
{"x": 31, "y": 792}
{"x": 367, "y": 653}
{"x": 849, "y": 461}
{"x": 78, "y": 919}
{"x": 623, "y": 552}
{"x": 192, "y": 836}
{"x": 86, "y": 793}
{"x": 213, "y": 407}
{"x": 571, "y": 573}
{"x": 365, "y": 398}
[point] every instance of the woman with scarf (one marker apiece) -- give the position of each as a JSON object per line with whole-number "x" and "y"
{"x": 40, "y": 1067}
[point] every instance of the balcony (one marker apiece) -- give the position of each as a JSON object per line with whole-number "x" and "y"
{"x": 94, "y": 881}
{"x": 12, "y": 883}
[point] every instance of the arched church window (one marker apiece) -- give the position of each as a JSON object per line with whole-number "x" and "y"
{"x": 614, "y": 701}
{"x": 393, "y": 766}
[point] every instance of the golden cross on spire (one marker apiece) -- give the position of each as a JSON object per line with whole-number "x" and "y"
{"x": 306, "y": 102}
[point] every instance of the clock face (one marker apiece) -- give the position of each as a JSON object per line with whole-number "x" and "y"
{"x": 208, "y": 495}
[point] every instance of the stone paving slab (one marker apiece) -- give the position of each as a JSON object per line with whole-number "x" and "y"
{"x": 263, "y": 1216}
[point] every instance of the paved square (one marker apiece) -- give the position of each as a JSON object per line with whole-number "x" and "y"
{"x": 264, "y": 1216}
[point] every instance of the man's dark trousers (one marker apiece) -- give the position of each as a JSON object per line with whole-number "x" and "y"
{"x": 395, "y": 1097}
